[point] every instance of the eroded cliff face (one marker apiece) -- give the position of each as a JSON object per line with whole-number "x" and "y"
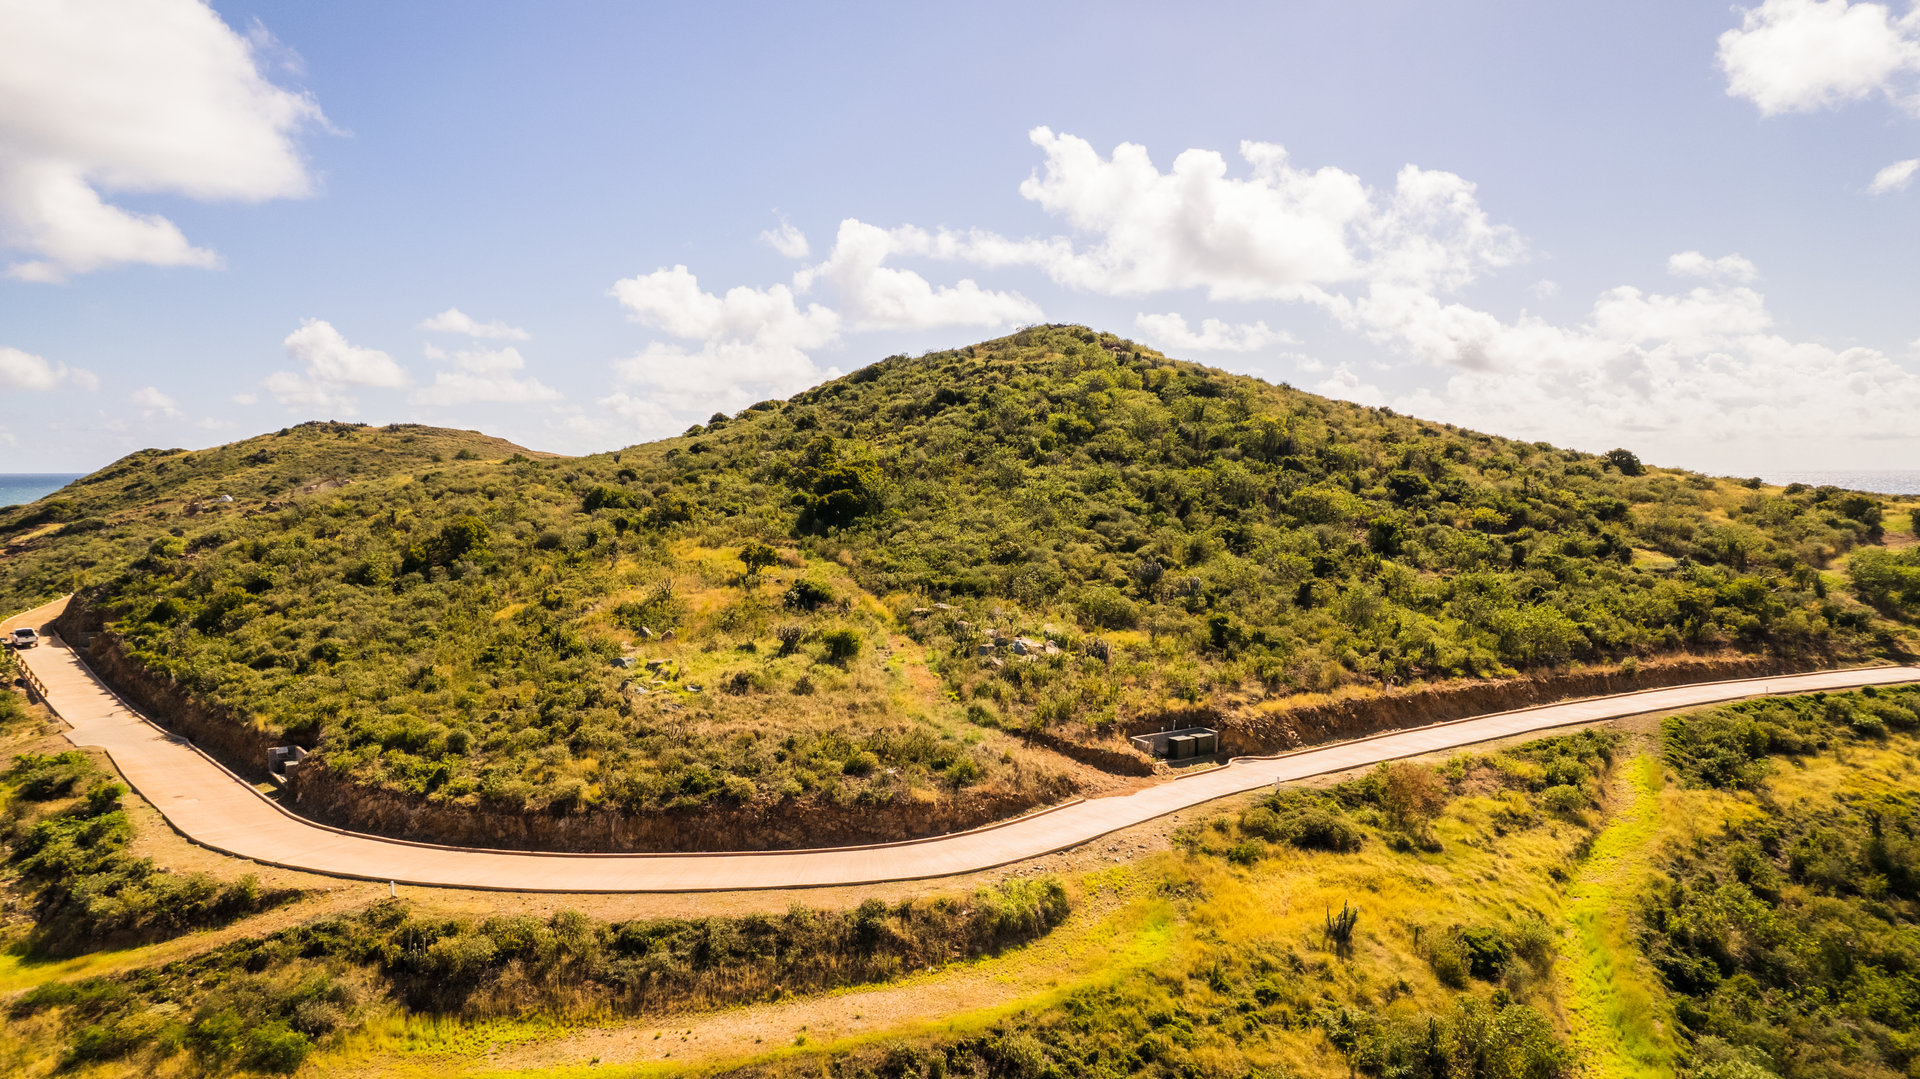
{"x": 236, "y": 741}
{"x": 787, "y": 825}
{"x": 1247, "y": 728}
{"x": 1250, "y": 729}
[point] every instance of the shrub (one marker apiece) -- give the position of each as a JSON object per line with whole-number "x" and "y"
{"x": 1413, "y": 795}
{"x": 1485, "y": 950}
{"x": 807, "y": 595}
{"x": 1105, "y": 606}
{"x": 1564, "y": 799}
{"x": 842, "y": 644}
{"x": 1448, "y": 961}
{"x": 861, "y": 763}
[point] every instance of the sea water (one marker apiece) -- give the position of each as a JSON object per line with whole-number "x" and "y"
{"x": 1879, "y": 481}
{"x": 18, "y": 488}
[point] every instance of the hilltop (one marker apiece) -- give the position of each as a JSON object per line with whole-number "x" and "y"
{"x": 798, "y": 624}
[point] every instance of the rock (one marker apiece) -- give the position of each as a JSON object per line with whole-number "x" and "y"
{"x": 656, "y": 664}
{"x": 1052, "y": 649}
{"x": 997, "y": 662}
{"x": 962, "y": 625}
{"x": 645, "y": 633}
{"x": 919, "y": 611}
{"x": 691, "y": 688}
{"x": 625, "y": 661}
{"x": 667, "y": 636}
{"x": 942, "y": 607}
{"x": 985, "y": 650}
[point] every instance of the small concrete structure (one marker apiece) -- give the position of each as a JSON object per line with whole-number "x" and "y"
{"x": 282, "y": 760}
{"x": 1184, "y": 744}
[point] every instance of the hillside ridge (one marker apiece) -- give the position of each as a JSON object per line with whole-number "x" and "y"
{"x": 869, "y": 610}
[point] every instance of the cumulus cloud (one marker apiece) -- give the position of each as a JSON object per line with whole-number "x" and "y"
{"x": 787, "y": 240}
{"x": 1802, "y": 55}
{"x": 1894, "y": 177}
{"x": 1695, "y": 264}
{"x": 482, "y": 375}
{"x": 1700, "y": 375}
{"x": 1347, "y": 386}
{"x": 1279, "y": 233}
{"x": 1169, "y": 331}
{"x": 132, "y": 96}
{"x": 332, "y": 366}
{"x": 454, "y": 320}
{"x": 874, "y": 296}
{"x": 25, "y": 371}
{"x": 753, "y": 343}
{"x": 749, "y": 341}
{"x": 154, "y": 403}
{"x": 1701, "y": 378}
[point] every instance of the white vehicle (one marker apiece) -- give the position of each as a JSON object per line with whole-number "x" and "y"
{"x": 23, "y": 638}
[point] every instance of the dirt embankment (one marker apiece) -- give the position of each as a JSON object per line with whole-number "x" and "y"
{"x": 333, "y": 799}
{"x": 1251, "y": 730}
{"x": 236, "y": 742}
{"x": 324, "y": 796}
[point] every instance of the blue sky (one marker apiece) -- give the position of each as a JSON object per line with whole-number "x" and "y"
{"x": 1655, "y": 225}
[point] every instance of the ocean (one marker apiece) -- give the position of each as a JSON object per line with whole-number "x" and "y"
{"x": 17, "y": 488}
{"x": 1878, "y": 481}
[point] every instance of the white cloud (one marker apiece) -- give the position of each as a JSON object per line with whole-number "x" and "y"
{"x": 484, "y": 375}
{"x": 1802, "y": 55}
{"x": 1282, "y": 233}
{"x": 1545, "y": 289}
{"x": 332, "y": 366}
{"x": 454, "y": 320}
{"x": 1894, "y": 177}
{"x": 787, "y": 240}
{"x": 1700, "y": 379}
{"x": 752, "y": 341}
{"x": 878, "y": 297}
{"x": 246, "y": 398}
{"x": 1169, "y": 331}
{"x": 25, "y": 371}
{"x": 1346, "y": 386}
{"x": 156, "y": 403}
{"x": 133, "y": 96}
{"x": 1695, "y": 264}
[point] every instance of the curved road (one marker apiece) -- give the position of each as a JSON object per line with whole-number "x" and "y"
{"x": 213, "y": 807}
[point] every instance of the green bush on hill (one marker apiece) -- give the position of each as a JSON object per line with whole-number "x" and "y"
{"x": 1789, "y": 937}
{"x": 73, "y": 859}
{"x": 262, "y": 1004}
{"x": 1180, "y": 534}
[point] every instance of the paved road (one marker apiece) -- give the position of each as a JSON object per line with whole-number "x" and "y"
{"x": 210, "y": 806}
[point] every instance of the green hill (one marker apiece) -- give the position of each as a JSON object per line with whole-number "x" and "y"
{"x": 447, "y": 617}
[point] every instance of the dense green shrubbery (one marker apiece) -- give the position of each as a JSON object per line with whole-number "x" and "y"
{"x": 1730, "y": 746}
{"x": 1139, "y": 1028}
{"x": 262, "y": 1003}
{"x": 1791, "y": 940}
{"x": 87, "y": 888}
{"x": 1180, "y": 534}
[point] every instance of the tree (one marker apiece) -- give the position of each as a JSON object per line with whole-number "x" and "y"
{"x": 757, "y": 557}
{"x": 1626, "y": 461}
{"x": 1413, "y": 796}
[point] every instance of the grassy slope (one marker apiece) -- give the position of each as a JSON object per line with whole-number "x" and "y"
{"x": 447, "y": 629}
{"x": 1182, "y": 960}
{"x": 1209, "y": 960}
